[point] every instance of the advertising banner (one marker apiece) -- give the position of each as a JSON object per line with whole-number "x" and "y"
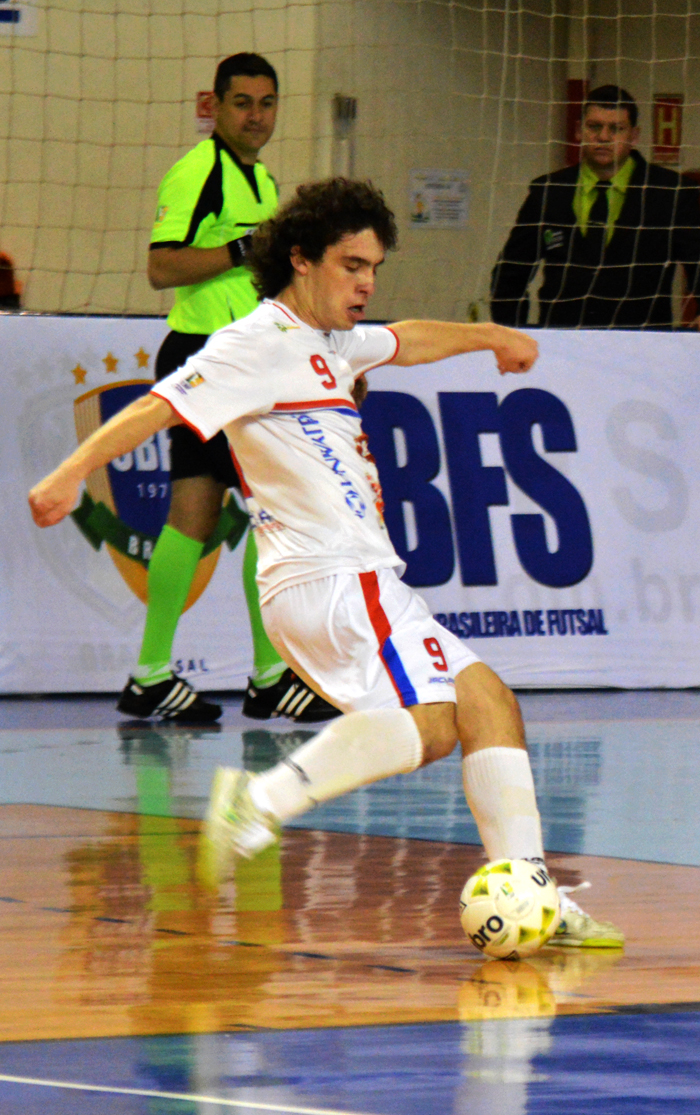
{"x": 71, "y": 596}
{"x": 550, "y": 519}
{"x": 553, "y": 518}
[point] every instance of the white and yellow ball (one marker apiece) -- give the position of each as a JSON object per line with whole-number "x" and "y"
{"x": 509, "y": 908}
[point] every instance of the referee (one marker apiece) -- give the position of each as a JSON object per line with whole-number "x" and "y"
{"x": 208, "y": 205}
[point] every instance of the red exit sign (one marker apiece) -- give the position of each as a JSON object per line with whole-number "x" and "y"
{"x": 667, "y": 127}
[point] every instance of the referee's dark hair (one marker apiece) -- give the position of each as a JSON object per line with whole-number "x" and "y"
{"x": 242, "y": 65}
{"x": 612, "y": 96}
{"x": 319, "y": 214}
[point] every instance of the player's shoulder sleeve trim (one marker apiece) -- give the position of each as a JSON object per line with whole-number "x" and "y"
{"x": 398, "y": 343}
{"x": 389, "y": 359}
{"x": 366, "y": 347}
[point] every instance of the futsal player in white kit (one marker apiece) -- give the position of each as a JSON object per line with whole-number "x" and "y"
{"x": 279, "y": 383}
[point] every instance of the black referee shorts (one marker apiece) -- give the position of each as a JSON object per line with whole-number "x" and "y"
{"x": 188, "y": 455}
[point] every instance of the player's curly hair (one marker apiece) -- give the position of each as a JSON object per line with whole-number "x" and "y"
{"x": 319, "y": 214}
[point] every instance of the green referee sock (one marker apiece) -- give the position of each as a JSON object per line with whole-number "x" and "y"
{"x": 268, "y": 667}
{"x": 170, "y": 574}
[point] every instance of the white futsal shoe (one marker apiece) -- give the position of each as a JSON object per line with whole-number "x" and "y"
{"x": 233, "y": 826}
{"x": 579, "y": 930}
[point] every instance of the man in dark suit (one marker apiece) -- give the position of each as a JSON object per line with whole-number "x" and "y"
{"x": 610, "y": 232}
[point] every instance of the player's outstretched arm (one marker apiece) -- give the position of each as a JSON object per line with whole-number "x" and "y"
{"x": 422, "y": 342}
{"x": 56, "y": 495}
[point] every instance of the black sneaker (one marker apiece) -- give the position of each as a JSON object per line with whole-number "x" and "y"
{"x": 291, "y": 697}
{"x": 172, "y": 699}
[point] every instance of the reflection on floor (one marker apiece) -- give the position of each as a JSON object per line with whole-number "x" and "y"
{"x": 334, "y": 977}
{"x": 596, "y": 758}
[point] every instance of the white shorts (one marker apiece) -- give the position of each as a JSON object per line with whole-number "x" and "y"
{"x": 365, "y": 641}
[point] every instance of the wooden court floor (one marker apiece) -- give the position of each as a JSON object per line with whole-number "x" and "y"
{"x": 104, "y": 932}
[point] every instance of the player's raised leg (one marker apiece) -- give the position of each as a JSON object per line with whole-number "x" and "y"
{"x": 393, "y": 642}
{"x": 328, "y": 631}
{"x": 245, "y": 812}
{"x": 364, "y": 747}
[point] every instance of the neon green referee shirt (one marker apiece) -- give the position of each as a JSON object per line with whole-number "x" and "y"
{"x": 206, "y": 199}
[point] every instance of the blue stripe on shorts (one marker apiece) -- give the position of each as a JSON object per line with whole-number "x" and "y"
{"x": 395, "y": 667}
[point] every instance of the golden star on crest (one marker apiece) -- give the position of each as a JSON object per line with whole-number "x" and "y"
{"x": 110, "y": 362}
{"x": 79, "y": 373}
{"x": 142, "y": 358}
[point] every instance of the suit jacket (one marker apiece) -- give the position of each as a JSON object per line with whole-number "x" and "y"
{"x": 630, "y": 287}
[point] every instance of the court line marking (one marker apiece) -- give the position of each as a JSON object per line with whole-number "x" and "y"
{"x": 184, "y": 1096}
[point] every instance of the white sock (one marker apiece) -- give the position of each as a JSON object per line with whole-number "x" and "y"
{"x": 501, "y": 795}
{"x": 353, "y": 750}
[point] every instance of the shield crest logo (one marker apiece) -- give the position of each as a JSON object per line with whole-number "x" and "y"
{"x": 126, "y": 502}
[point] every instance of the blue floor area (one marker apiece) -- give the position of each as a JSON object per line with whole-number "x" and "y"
{"x": 596, "y": 760}
{"x": 619, "y": 1064}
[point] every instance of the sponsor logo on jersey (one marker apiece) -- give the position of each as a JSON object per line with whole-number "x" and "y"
{"x": 315, "y": 432}
{"x": 160, "y": 214}
{"x": 285, "y": 328}
{"x": 189, "y": 383}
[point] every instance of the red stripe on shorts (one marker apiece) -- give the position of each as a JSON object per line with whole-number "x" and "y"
{"x": 379, "y": 620}
{"x": 377, "y": 615}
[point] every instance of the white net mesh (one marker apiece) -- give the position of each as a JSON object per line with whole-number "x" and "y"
{"x": 458, "y": 105}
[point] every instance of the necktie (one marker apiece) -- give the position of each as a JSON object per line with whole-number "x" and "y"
{"x": 597, "y": 224}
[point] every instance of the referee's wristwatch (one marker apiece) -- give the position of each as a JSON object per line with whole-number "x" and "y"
{"x": 238, "y": 249}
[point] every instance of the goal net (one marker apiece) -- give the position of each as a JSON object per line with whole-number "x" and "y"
{"x": 450, "y": 106}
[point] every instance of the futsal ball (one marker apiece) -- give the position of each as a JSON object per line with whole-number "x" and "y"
{"x": 509, "y": 908}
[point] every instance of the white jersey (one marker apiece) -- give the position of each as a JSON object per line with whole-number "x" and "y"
{"x": 281, "y": 391}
